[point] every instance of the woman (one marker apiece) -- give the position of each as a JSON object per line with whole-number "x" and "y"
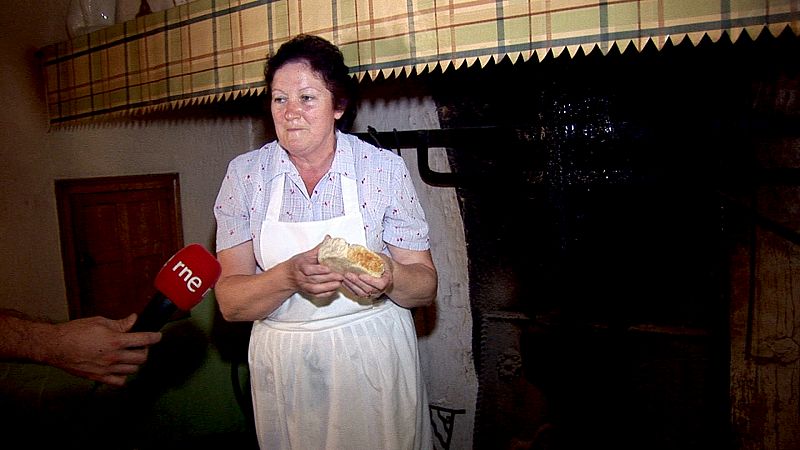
{"x": 329, "y": 369}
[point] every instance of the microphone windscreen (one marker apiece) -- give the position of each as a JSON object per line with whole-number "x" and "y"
{"x": 188, "y": 276}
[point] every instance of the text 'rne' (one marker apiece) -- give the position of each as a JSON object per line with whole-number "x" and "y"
{"x": 192, "y": 282}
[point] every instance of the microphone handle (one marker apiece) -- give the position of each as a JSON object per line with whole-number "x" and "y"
{"x": 155, "y": 315}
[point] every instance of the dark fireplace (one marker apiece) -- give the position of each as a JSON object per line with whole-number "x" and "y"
{"x": 600, "y": 196}
{"x": 594, "y": 239}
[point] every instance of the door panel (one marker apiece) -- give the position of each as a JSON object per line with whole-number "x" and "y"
{"x": 116, "y": 235}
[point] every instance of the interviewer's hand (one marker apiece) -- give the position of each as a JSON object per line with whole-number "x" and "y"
{"x": 98, "y": 348}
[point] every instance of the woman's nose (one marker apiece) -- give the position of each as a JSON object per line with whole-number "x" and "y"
{"x": 292, "y": 110}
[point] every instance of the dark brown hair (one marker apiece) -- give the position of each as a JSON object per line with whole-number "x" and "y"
{"x": 325, "y": 59}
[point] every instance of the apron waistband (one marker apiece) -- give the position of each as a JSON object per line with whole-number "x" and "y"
{"x": 325, "y": 324}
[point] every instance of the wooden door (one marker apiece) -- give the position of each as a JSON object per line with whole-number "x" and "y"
{"x": 116, "y": 234}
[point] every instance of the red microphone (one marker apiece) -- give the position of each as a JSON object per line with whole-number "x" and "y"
{"x": 181, "y": 284}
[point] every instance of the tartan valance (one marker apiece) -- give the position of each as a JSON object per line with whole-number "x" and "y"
{"x": 213, "y": 50}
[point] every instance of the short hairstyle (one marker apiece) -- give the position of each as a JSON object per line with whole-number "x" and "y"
{"x": 326, "y": 60}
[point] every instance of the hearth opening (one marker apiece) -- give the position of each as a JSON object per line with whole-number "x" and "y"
{"x": 600, "y": 195}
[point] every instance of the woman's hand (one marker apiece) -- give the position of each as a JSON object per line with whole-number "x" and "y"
{"x": 366, "y": 286}
{"x": 410, "y": 278}
{"x": 312, "y": 278}
{"x": 244, "y": 295}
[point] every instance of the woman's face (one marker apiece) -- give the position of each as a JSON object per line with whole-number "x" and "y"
{"x": 302, "y": 109}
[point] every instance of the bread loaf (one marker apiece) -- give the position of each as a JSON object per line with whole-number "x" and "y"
{"x": 343, "y": 257}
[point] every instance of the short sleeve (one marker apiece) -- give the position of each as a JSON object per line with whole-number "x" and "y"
{"x": 231, "y": 211}
{"x": 405, "y": 225}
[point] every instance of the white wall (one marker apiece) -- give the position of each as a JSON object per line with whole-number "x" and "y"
{"x": 34, "y": 156}
{"x": 25, "y": 197}
{"x": 446, "y": 352}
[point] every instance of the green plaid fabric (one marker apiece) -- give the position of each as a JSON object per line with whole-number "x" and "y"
{"x": 213, "y": 50}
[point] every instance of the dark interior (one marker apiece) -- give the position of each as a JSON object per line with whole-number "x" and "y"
{"x": 599, "y": 195}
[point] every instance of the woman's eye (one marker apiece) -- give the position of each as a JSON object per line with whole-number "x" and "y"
{"x": 306, "y": 98}
{"x": 279, "y": 100}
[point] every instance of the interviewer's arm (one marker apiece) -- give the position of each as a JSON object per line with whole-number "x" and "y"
{"x": 95, "y": 348}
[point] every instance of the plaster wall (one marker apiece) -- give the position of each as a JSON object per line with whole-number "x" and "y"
{"x": 446, "y": 332}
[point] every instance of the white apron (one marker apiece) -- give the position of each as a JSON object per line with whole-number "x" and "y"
{"x": 338, "y": 374}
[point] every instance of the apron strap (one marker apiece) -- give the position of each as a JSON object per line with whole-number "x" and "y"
{"x": 275, "y": 197}
{"x": 349, "y": 195}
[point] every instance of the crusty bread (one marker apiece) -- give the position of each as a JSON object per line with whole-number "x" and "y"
{"x": 344, "y": 257}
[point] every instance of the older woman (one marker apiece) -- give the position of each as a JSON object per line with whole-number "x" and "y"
{"x": 329, "y": 370}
